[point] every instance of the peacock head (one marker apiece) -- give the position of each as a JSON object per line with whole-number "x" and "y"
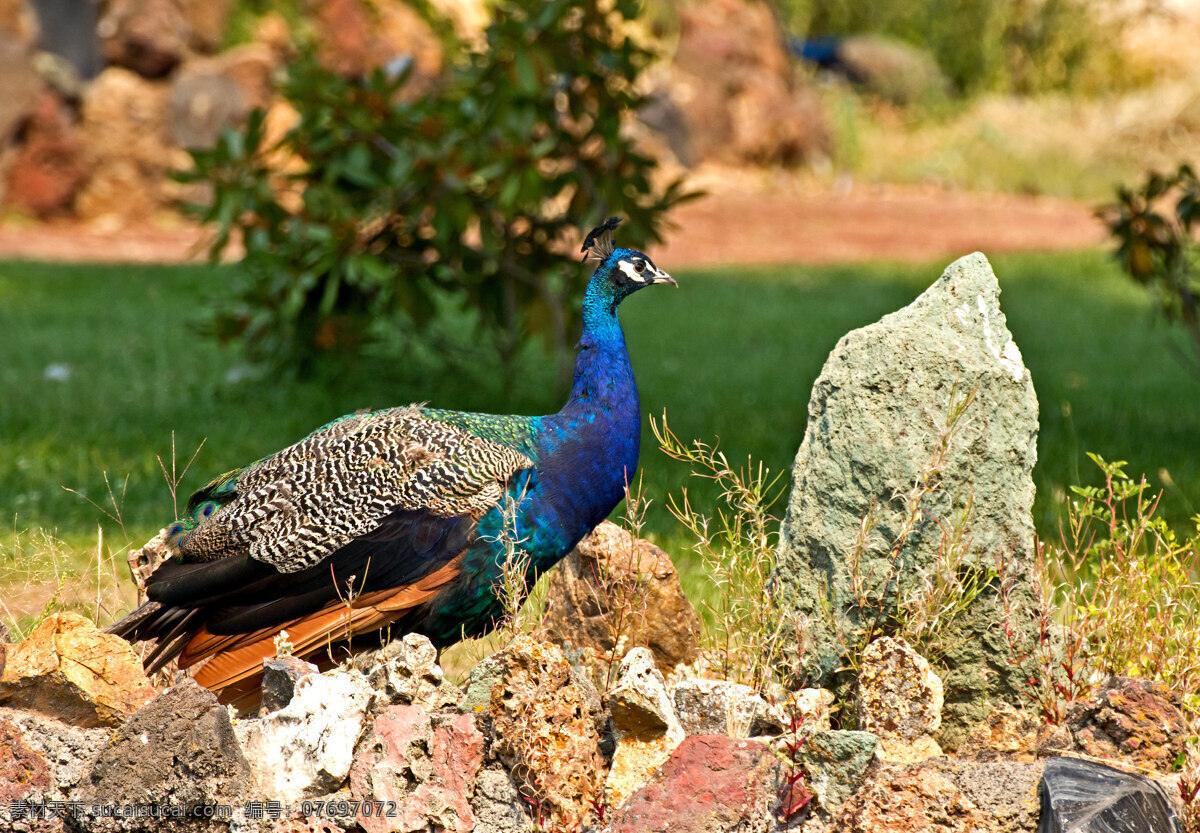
{"x": 619, "y": 272}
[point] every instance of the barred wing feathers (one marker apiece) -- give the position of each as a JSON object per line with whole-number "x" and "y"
{"x": 296, "y": 508}
{"x": 389, "y": 499}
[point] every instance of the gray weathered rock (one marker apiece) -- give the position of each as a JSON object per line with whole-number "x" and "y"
{"x": 406, "y": 671}
{"x": 647, "y": 729}
{"x": 200, "y": 105}
{"x": 67, "y": 750}
{"x": 306, "y": 748}
{"x": 280, "y": 675}
{"x": 835, "y": 762}
{"x": 719, "y": 707}
{"x": 497, "y": 805}
{"x": 875, "y": 417}
{"x": 180, "y": 749}
{"x": 1086, "y": 797}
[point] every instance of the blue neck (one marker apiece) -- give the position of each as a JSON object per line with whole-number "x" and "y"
{"x": 603, "y": 376}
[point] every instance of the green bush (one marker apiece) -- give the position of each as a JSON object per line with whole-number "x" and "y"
{"x": 1008, "y": 45}
{"x": 405, "y": 209}
{"x": 1157, "y": 248}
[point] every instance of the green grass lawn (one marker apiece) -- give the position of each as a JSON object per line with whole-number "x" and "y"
{"x": 731, "y": 355}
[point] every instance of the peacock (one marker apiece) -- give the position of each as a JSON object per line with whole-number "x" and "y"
{"x": 397, "y": 521}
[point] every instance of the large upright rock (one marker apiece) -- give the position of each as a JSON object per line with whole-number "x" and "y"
{"x": 875, "y": 417}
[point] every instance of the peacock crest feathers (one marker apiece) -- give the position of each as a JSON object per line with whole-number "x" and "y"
{"x": 599, "y": 242}
{"x": 294, "y": 508}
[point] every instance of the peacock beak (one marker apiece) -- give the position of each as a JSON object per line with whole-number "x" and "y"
{"x": 660, "y": 276}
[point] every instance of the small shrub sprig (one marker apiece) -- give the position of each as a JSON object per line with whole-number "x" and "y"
{"x": 1059, "y": 664}
{"x": 750, "y": 627}
{"x": 1120, "y": 595}
{"x": 793, "y": 796}
{"x": 621, "y": 587}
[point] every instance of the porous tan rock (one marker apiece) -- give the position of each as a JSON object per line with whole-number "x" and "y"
{"x": 70, "y": 670}
{"x": 609, "y": 570}
{"x": 20, "y": 83}
{"x": 899, "y": 700}
{"x": 811, "y": 708}
{"x": 152, "y": 37}
{"x": 542, "y": 727}
{"x": 647, "y": 729}
{"x": 1008, "y": 733}
{"x": 406, "y": 671}
{"x": 127, "y": 150}
{"x": 915, "y": 799}
{"x": 17, "y": 18}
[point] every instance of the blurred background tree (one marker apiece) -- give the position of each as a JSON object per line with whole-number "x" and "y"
{"x": 1154, "y": 226}
{"x": 395, "y": 205}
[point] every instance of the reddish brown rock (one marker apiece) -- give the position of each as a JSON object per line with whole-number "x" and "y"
{"x": 1133, "y": 721}
{"x": 23, "y": 772}
{"x": 47, "y": 169}
{"x": 733, "y": 80}
{"x": 358, "y": 36}
{"x": 72, "y": 671}
{"x": 711, "y": 783}
{"x": 425, "y": 765}
{"x": 608, "y": 568}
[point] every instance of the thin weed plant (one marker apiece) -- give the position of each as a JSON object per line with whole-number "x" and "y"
{"x": 749, "y": 627}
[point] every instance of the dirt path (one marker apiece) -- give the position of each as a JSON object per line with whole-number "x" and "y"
{"x": 730, "y": 225}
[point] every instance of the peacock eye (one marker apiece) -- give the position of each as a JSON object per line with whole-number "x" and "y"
{"x": 639, "y": 266}
{"x": 205, "y": 510}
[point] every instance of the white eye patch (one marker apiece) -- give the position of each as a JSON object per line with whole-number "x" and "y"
{"x": 631, "y": 273}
